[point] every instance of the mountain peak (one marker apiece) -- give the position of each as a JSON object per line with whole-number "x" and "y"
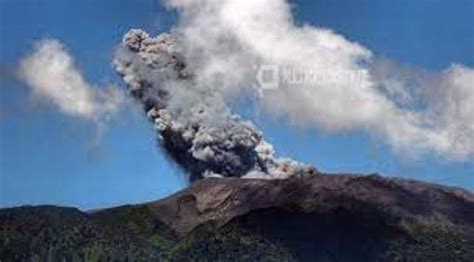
{"x": 313, "y": 217}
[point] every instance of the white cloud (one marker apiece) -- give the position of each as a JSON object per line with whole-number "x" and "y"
{"x": 409, "y": 112}
{"x": 452, "y": 106}
{"x": 53, "y": 78}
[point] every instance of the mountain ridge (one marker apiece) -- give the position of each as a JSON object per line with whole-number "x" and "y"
{"x": 314, "y": 217}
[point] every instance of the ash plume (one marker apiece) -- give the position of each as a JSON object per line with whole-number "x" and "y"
{"x": 193, "y": 124}
{"x": 174, "y": 77}
{"x": 354, "y": 90}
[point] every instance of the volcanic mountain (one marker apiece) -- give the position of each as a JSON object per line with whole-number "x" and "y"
{"x": 313, "y": 217}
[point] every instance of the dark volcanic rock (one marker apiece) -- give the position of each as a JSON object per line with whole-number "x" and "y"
{"x": 311, "y": 218}
{"x": 223, "y": 199}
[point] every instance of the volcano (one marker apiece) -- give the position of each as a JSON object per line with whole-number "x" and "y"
{"x": 313, "y": 217}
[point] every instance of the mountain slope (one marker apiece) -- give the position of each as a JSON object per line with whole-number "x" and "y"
{"x": 310, "y": 218}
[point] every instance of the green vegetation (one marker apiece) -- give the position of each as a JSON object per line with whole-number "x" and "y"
{"x": 133, "y": 233}
{"x": 57, "y": 234}
{"x": 433, "y": 240}
{"x": 209, "y": 243}
{"x": 121, "y": 234}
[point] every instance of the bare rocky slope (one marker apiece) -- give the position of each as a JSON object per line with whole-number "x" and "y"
{"x": 315, "y": 217}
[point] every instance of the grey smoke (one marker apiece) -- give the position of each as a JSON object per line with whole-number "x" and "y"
{"x": 174, "y": 77}
{"x": 227, "y": 37}
{"x": 192, "y": 121}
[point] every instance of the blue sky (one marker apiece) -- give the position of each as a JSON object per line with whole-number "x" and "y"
{"x": 48, "y": 158}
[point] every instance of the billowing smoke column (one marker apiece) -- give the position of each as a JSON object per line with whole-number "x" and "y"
{"x": 193, "y": 123}
{"x": 325, "y": 80}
